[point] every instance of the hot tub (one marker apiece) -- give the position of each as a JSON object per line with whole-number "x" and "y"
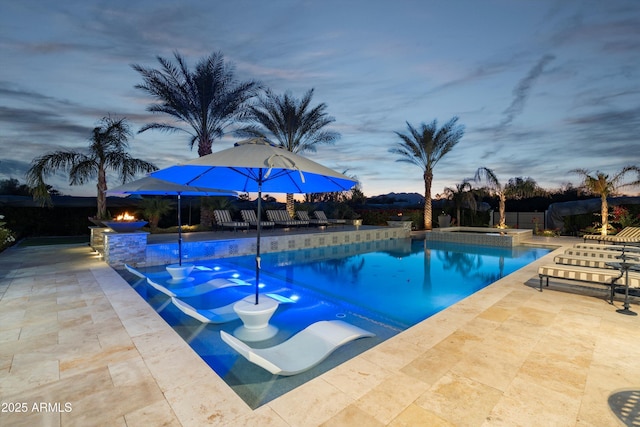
{"x": 480, "y": 235}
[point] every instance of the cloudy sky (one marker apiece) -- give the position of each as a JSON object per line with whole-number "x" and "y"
{"x": 541, "y": 86}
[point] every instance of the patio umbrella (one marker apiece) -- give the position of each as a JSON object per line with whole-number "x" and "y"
{"x": 150, "y": 186}
{"x": 254, "y": 165}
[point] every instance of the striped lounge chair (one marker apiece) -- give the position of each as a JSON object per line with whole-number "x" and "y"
{"x": 250, "y": 217}
{"x": 604, "y": 277}
{"x": 322, "y": 216}
{"x": 304, "y": 216}
{"x": 582, "y": 261}
{"x": 223, "y": 219}
{"x": 628, "y": 249}
{"x": 282, "y": 218}
{"x": 627, "y": 235}
{"x": 594, "y": 262}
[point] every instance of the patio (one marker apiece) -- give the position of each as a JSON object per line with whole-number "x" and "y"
{"x": 73, "y": 331}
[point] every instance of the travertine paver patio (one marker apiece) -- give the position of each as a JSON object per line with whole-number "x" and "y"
{"x": 77, "y": 338}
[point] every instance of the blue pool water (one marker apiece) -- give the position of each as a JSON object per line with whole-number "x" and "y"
{"x": 383, "y": 287}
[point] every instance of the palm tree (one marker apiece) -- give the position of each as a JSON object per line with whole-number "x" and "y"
{"x": 153, "y": 209}
{"x": 522, "y": 188}
{"x": 208, "y": 99}
{"x": 290, "y": 123}
{"x": 107, "y": 151}
{"x": 496, "y": 189}
{"x": 601, "y": 184}
{"x": 424, "y": 148}
{"x": 461, "y": 195}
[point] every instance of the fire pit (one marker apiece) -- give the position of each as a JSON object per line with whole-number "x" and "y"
{"x": 125, "y": 223}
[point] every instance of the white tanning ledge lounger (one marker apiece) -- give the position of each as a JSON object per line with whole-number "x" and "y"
{"x": 164, "y": 276}
{"x": 222, "y": 314}
{"x": 302, "y": 351}
{"x": 202, "y": 288}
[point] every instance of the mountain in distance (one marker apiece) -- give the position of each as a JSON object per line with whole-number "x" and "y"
{"x": 397, "y": 199}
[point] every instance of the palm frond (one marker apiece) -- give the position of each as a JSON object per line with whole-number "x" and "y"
{"x": 208, "y": 99}
{"x": 288, "y": 122}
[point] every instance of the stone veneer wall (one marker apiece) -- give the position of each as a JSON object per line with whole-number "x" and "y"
{"x": 167, "y": 253}
{"x": 121, "y": 248}
{"x": 96, "y": 240}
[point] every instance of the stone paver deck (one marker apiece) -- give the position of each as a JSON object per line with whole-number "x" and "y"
{"x": 79, "y": 347}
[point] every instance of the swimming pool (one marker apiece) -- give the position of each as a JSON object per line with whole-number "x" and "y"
{"x": 383, "y": 288}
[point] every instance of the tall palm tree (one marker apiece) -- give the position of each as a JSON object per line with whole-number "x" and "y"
{"x": 424, "y": 147}
{"x": 208, "y": 98}
{"x": 494, "y": 186}
{"x": 107, "y": 151}
{"x": 601, "y": 184}
{"x": 461, "y": 195}
{"x": 290, "y": 123}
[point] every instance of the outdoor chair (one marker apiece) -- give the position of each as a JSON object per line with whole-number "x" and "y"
{"x": 249, "y": 216}
{"x": 304, "y": 216}
{"x": 322, "y": 216}
{"x": 302, "y": 351}
{"x": 282, "y": 218}
{"x": 221, "y": 314}
{"x": 223, "y": 219}
{"x": 607, "y": 277}
{"x": 627, "y": 235}
{"x": 195, "y": 290}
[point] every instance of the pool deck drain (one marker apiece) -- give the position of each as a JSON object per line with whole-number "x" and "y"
{"x": 73, "y": 331}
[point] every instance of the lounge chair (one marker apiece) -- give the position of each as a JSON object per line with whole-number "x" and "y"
{"x": 223, "y": 219}
{"x": 304, "y": 216}
{"x": 302, "y": 351}
{"x": 250, "y": 217}
{"x": 600, "y": 247}
{"x": 600, "y": 254}
{"x": 202, "y": 288}
{"x": 582, "y": 261}
{"x": 282, "y": 218}
{"x": 627, "y": 235}
{"x": 222, "y": 314}
{"x": 322, "y": 216}
{"x": 604, "y": 277}
{"x": 201, "y": 273}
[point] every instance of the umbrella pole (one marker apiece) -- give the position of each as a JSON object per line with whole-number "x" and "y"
{"x": 179, "y": 233}
{"x": 258, "y": 228}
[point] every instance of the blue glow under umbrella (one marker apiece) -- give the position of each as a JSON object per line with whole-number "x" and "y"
{"x": 150, "y": 186}
{"x": 255, "y": 165}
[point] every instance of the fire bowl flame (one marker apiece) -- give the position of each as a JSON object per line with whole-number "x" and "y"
{"x": 125, "y": 223}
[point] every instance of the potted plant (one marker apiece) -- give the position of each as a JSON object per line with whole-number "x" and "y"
{"x": 444, "y": 220}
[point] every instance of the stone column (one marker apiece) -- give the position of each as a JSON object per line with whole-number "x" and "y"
{"x": 125, "y": 248}
{"x": 97, "y": 238}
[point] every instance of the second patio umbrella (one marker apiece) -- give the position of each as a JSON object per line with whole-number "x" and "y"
{"x": 254, "y": 165}
{"x": 150, "y": 186}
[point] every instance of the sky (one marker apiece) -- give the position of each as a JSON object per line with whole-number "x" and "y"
{"x": 542, "y": 87}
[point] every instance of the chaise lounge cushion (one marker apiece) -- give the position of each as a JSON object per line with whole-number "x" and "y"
{"x": 282, "y": 218}
{"x": 304, "y": 216}
{"x": 250, "y": 217}
{"x": 627, "y": 235}
{"x": 322, "y": 216}
{"x": 223, "y": 219}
